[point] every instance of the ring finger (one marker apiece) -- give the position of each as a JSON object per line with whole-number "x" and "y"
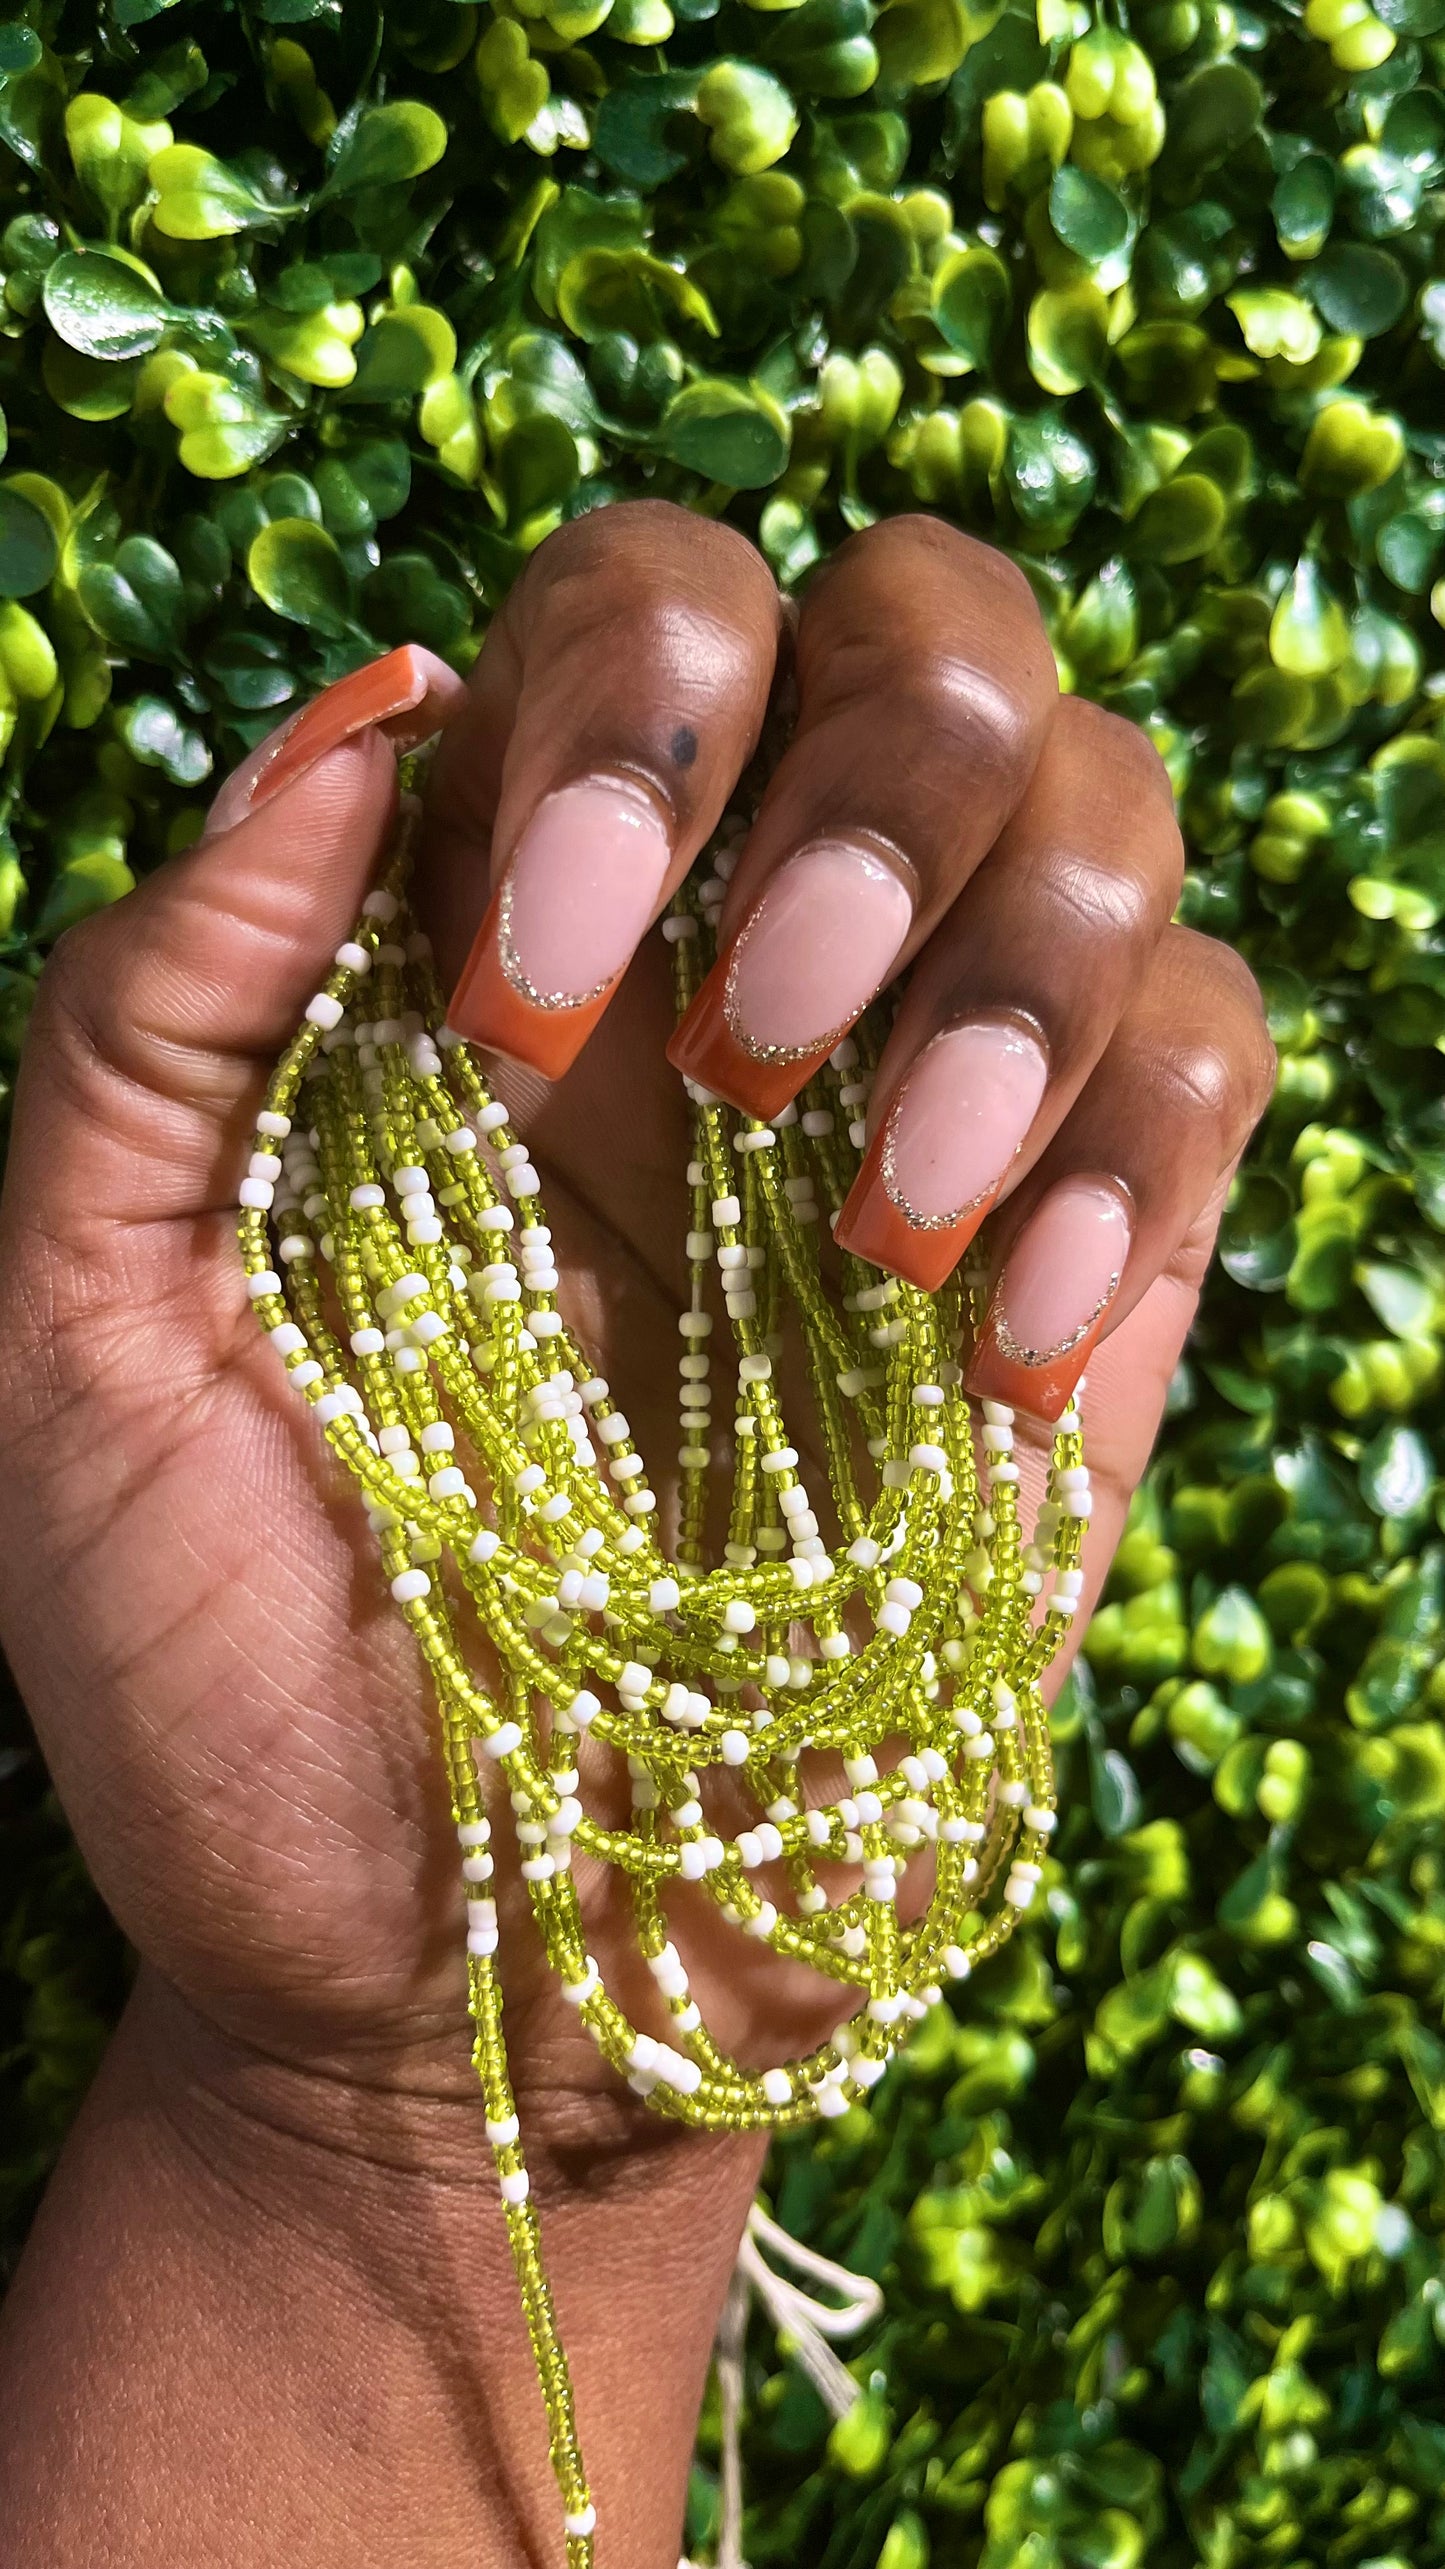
{"x": 1017, "y": 994}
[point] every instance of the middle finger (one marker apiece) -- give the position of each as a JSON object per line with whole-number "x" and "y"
{"x": 925, "y": 691}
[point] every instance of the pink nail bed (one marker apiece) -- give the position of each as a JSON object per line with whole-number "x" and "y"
{"x": 819, "y": 942}
{"x": 1062, "y": 1272}
{"x": 581, "y": 888}
{"x": 957, "y": 1122}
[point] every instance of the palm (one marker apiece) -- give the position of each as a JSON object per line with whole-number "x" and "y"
{"x": 235, "y": 1717}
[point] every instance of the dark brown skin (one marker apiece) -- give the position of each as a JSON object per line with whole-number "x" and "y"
{"x": 270, "y": 2286}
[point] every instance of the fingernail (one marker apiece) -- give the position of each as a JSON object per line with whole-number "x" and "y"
{"x": 584, "y": 881}
{"x": 409, "y": 690}
{"x": 817, "y": 944}
{"x": 944, "y": 1149}
{"x": 1052, "y": 1299}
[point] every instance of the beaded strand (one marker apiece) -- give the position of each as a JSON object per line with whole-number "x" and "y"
{"x": 397, "y": 1255}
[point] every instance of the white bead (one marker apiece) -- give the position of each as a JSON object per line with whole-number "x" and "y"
{"x": 256, "y": 1194}
{"x": 516, "y": 2186}
{"x": 893, "y": 1618}
{"x": 577, "y": 1992}
{"x": 287, "y": 1339}
{"x": 583, "y": 2520}
{"x": 449, "y": 1483}
{"x": 904, "y": 1592}
{"x": 664, "y": 1596}
{"x": 736, "y": 1748}
{"x": 503, "y": 1741}
{"x": 473, "y": 1832}
{"x": 835, "y": 1645}
{"x": 738, "y": 1615}
{"x": 274, "y": 1126}
{"x": 677, "y": 2071}
{"x": 409, "y": 1585}
{"x": 727, "y": 1212}
{"x": 502, "y": 2134}
{"x": 777, "y": 2087}
{"x": 484, "y": 1546}
{"x": 259, "y": 1286}
{"x": 928, "y": 1458}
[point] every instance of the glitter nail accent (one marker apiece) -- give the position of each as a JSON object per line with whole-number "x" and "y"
{"x": 511, "y": 963}
{"x": 1009, "y": 1346}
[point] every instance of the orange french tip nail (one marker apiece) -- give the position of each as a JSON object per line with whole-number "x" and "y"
{"x": 487, "y": 1008}
{"x": 384, "y": 688}
{"x": 705, "y": 1049}
{"x": 1043, "y": 1391}
{"x": 870, "y": 1226}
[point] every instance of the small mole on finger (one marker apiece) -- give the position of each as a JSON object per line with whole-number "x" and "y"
{"x": 683, "y": 746}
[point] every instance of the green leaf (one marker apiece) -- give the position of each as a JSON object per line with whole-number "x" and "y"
{"x": 1114, "y": 1793}
{"x": 28, "y": 547}
{"x": 297, "y": 570}
{"x": 1257, "y": 1235}
{"x": 1403, "y": 1298}
{"x": 402, "y": 353}
{"x": 1089, "y": 217}
{"x": 1303, "y": 205}
{"x": 1068, "y": 334}
{"x": 1211, "y": 115}
{"x": 200, "y": 198}
{"x": 643, "y": 131}
{"x": 386, "y": 146}
{"x": 1360, "y": 291}
{"x": 136, "y": 601}
{"x": 971, "y": 301}
{"x": 1309, "y": 633}
{"x": 1181, "y": 521}
{"x": 102, "y": 306}
{"x": 1397, "y": 1472}
{"x": 729, "y": 432}
{"x": 158, "y": 736}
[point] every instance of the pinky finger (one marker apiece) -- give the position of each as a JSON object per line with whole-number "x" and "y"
{"x": 1128, "y": 1176}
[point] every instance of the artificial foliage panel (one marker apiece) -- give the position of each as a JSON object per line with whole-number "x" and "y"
{"x": 315, "y": 322}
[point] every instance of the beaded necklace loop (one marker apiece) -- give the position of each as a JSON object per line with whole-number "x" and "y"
{"x": 399, "y": 1258}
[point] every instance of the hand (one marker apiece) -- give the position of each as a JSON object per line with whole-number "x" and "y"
{"x": 232, "y": 1714}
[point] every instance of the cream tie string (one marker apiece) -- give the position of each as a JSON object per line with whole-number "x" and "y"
{"x": 806, "y": 2322}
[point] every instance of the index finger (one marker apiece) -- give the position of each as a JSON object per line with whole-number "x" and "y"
{"x": 618, "y": 696}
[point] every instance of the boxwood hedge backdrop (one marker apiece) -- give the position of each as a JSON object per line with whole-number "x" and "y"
{"x": 315, "y": 321}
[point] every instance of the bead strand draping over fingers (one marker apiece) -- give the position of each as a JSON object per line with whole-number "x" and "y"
{"x": 398, "y": 1255}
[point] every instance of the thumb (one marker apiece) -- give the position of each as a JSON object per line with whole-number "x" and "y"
{"x": 156, "y": 1020}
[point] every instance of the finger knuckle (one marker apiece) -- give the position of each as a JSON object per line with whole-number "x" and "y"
{"x": 665, "y": 635}
{"x": 638, "y": 558}
{"x": 1102, "y": 900}
{"x": 1101, "y": 739}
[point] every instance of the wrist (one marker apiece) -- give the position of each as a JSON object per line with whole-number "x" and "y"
{"x": 344, "y": 2246}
